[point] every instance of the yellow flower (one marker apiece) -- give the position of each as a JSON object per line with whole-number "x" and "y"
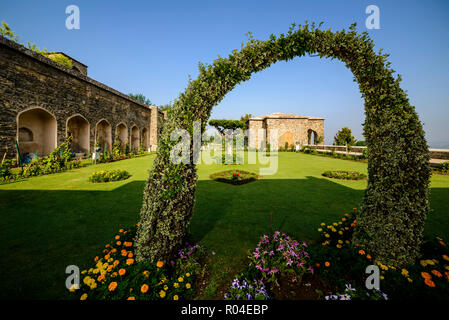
{"x": 340, "y": 241}
{"x": 340, "y": 232}
{"x": 162, "y": 294}
{"x": 409, "y": 280}
{"x": 180, "y": 279}
{"x": 327, "y": 235}
{"x": 188, "y": 286}
{"x": 176, "y": 285}
{"x": 323, "y": 224}
{"x": 338, "y": 246}
{"x": 445, "y": 257}
{"x": 175, "y": 297}
{"x": 423, "y": 263}
{"x": 84, "y": 297}
{"x": 320, "y": 229}
{"x": 187, "y": 274}
{"x": 404, "y": 272}
{"x": 165, "y": 287}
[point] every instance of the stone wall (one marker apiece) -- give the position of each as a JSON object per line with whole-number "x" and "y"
{"x": 30, "y": 81}
{"x": 291, "y": 129}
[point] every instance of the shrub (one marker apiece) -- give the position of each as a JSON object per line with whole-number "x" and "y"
{"x": 444, "y": 167}
{"x": 109, "y": 175}
{"x": 235, "y": 177}
{"x": 278, "y": 255}
{"x": 345, "y": 175}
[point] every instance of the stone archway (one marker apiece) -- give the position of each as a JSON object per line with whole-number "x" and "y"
{"x": 312, "y": 137}
{"x": 36, "y": 132}
{"x": 79, "y": 128}
{"x": 121, "y": 132}
{"x": 390, "y": 222}
{"x": 135, "y": 139}
{"x": 145, "y": 138}
{"x": 103, "y": 135}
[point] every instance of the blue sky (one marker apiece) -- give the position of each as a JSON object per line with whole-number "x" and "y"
{"x": 151, "y": 47}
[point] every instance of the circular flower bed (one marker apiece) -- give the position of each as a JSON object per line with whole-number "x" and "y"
{"x": 116, "y": 276}
{"x": 235, "y": 177}
{"x": 345, "y": 175}
{"x": 109, "y": 175}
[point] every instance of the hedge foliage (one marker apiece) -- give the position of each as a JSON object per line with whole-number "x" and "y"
{"x": 395, "y": 203}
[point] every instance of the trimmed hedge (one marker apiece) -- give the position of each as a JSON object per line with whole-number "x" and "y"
{"x": 391, "y": 220}
{"x": 345, "y": 175}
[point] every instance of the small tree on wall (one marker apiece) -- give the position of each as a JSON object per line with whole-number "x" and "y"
{"x": 391, "y": 219}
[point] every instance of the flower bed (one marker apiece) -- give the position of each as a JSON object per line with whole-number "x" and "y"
{"x": 109, "y": 175}
{"x": 115, "y": 275}
{"x": 335, "y": 269}
{"x": 342, "y": 266}
{"x": 345, "y": 175}
{"x": 235, "y": 177}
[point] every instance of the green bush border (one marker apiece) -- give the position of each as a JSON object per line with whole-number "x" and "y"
{"x": 395, "y": 204}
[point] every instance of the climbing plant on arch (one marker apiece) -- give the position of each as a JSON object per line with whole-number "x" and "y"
{"x": 391, "y": 218}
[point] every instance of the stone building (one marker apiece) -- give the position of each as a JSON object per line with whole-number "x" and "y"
{"x": 42, "y": 102}
{"x": 292, "y": 129}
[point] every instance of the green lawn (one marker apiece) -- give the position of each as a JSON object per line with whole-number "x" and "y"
{"x": 52, "y": 221}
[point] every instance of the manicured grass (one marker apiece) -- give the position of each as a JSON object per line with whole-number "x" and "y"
{"x": 52, "y": 221}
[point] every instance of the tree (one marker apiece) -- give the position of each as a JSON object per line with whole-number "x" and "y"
{"x": 245, "y": 119}
{"x": 140, "y": 97}
{"x": 222, "y": 124}
{"x": 344, "y": 137}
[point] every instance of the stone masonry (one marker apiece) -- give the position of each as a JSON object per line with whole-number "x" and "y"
{"x": 292, "y": 129}
{"x": 41, "y": 101}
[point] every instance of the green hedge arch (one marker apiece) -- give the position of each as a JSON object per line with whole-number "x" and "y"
{"x": 391, "y": 218}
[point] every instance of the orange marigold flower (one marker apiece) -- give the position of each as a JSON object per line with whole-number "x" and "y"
{"x": 124, "y": 253}
{"x": 144, "y": 288}
{"x": 119, "y": 243}
{"x": 117, "y": 237}
{"x": 127, "y": 244}
{"x": 112, "y": 286}
{"x": 361, "y": 252}
{"x": 446, "y": 274}
{"x": 110, "y": 268}
{"x": 114, "y": 250}
{"x": 121, "y": 230}
{"x": 114, "y": 274}
{"x": 131, "y": 298}
{"x": 100, "y": 277}
{"x": 96, "y": 259}
{"x": 368, "y": 256}
{"x": 129, "y": 261}
{"x": 327, "y": 264}
{"x": 429, "y": 282}
{"x": 442, "y": 243}
{"x": 437, "y": 273}
{"x": 343, "y": 219}
{"x": 130, "y": 255}
{"x": 116, "y": 263}
{"x": 106, "y": 257}
{"x": 354, "y": 208}
{"x": 445, "y": 257}
{"x": 317, "y": 265}
{"x": 425, "y": 275}
{"x": 159, "y": 264}
{"x": 122, "y": 272}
